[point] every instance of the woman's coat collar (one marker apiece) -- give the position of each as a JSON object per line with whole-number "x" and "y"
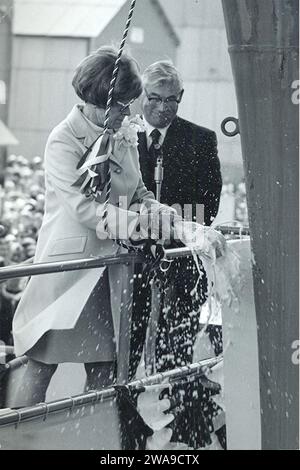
{"x": 86, "y": 131}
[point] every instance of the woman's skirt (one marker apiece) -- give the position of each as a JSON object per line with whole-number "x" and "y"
{"x": 91, "y": 340}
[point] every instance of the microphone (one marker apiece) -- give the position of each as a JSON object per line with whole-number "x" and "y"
{"x": 158, "y": 173}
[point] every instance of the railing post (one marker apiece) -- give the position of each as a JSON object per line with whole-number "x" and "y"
{"x": 125, "y": 323}
{"x": 150, "y": 346}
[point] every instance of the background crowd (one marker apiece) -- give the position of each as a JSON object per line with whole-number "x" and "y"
{"x": 21, "y": 213}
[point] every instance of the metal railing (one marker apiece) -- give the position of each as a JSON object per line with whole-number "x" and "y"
{"x": 26, "y": 269}
{"x": 43, "y": 410}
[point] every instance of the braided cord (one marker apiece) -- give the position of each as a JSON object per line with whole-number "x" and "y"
{"x": 108, "y": 108}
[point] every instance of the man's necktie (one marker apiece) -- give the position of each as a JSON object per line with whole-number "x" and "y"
{"x": 155, "y": 146}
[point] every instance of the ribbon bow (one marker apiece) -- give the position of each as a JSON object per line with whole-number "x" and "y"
{"x": 93, "y": 167}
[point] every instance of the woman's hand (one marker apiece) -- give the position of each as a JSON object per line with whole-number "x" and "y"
{"x": 202, "y": 239}
{"x": 158, "y": 223}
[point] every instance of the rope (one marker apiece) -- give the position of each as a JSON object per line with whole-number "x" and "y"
{"x": 108, "y": 107}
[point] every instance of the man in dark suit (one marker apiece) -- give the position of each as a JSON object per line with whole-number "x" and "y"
{"x": 192, "y": 184}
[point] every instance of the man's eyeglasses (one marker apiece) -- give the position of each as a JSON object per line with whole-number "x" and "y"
{"x": 169, "y": 101}
{"x": 125, "y": 106}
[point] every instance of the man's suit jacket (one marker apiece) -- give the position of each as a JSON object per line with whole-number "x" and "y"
{"x": 191, "y": 167}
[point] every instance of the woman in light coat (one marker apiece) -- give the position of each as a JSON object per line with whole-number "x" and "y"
{"x": 74, "y": 316}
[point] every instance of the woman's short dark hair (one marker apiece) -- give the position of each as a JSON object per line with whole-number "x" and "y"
{"x": 94, "y": 73}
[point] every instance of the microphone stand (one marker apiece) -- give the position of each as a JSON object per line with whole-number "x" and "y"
{"x": 156, "y": 288}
